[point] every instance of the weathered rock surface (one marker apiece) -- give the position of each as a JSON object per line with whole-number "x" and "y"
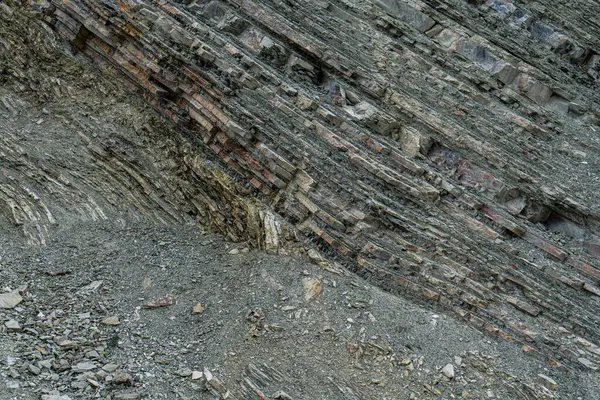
{"x": 444, "y": 150}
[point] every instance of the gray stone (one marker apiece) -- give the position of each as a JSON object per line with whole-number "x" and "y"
{"x": 110, "y": 367}
{"x": 12, "y": 385}
{"x": 34, "y": 370}
{"x": 448, "y": 371}
{"x": 547, "y": 382}
{"x": 113, "y": 320}
{"x": 196, "y": 375}
{"x": 127, "y": 396}
{"x": 281, "y": 395}
{"x": 12, "y": 325}
{"x": 55, "y": 395}
{"x": 148, "y": 15}
{"x": 505, "y": 72}
{"x": 122, "y": 377}
{"x": 408, "y": 14}
{"x": 185, "y": 372}
{"x": 84, "y": 366}
{"x": 594, "y": 66}
{"x": 10, "y": 300}
{"x": 588, "y": 363}
{"x": 92, "y": 354}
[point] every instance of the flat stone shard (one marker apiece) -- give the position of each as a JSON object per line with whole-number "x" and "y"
{"x": 408, "y": 14}
{"x": 594, "y": 66}
{"x": 164, "y": 301}
{"x": 114, "y": 320}
{"x": 505, "y": 72}
{"x": 196, "y": 375}
{"x": 547, "y": 382}
{"x": 91, "y": 287}
{"x": 215, "y": 385}
{"x": 312, "y": 288}
{"x": 588, "y": 364}
{"x": 84, "y": 366}
{"x": 127, "y": 395}
{"x": 55, "y": 395}
{"x": 10, "y": 300}
{"x": 12, "y": 325}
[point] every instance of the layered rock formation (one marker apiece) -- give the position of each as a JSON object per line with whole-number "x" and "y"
{"x": 69, "y": 157}
{"x": 445, "y": 150}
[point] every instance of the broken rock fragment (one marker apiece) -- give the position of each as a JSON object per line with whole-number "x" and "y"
{"x": 12, "y": 325}
{"x": 311, "y": 287}
{"x": 92, "y": 287}
{"x": 589, "y": 364}
{"x": 197, "y": 309}
{"x": 281, "y": 395}
{"x": 122, "y": 378}
{"x": 55, "y": 395}
{"x": 547, "y": 382}
{"x": 129, "y": 395}
{"x": 167, "y": 300}
{"x": 184, "y": 372}
{"x": 448, "y": 371}
{"x": 113, "y": 320}
{"x": 215, "y": 385}
{"x": 196, "y": 375}
{"x": 10, "y": 300}
{"x": 84, "y": 367}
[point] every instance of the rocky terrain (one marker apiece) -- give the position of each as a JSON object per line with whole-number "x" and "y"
{"x": 141, "y": 312}
{"x": 441, "y": 156}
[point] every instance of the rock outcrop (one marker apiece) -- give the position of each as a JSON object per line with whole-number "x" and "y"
{"x": 444, "y": 150}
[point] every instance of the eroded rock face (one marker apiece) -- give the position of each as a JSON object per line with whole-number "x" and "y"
{"x": 77, "y": 146}
{"x": 446, "y": 151}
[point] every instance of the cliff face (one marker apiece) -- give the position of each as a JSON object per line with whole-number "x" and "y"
{"x": 444, "y": 150}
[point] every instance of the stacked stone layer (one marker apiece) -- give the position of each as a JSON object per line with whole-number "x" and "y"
{"x": 445, "y": 150}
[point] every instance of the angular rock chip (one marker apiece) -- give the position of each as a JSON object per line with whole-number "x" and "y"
{"x": 588, "y": 363}
{"x": 127, "y": 396}
{"x": 312, "y": 288}
{"x": 55, "y": 395}
{"x": 196, "y": 375}
{"x": 93, "y": 286}
{"x": 198, "y": 309}
{"x": 114, "y": 320}
{"x": 448, "y": 371}
{"x": 167, "y": 300}
{"x": 10, "y": 300}
{"x": 121, "y": 378}
{"x": 84, "y": 367}
{"x": 12, "y": 325}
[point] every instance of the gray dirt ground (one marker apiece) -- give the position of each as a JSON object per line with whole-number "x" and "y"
{"x": 352, "y": 341}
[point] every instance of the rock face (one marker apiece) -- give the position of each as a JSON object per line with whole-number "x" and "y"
{"x": 444, "y": 150}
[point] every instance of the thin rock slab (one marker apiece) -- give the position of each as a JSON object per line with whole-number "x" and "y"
{"x": 10, "y": 300}
{"x": 165, "y": 301}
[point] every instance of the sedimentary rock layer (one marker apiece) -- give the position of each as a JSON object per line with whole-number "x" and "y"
{"x": 445, "y": 150}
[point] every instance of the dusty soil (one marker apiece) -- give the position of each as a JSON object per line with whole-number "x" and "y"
{"x": 351, "y": 341}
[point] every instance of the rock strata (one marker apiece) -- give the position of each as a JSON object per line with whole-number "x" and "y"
{"x": 444, "y": 150}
